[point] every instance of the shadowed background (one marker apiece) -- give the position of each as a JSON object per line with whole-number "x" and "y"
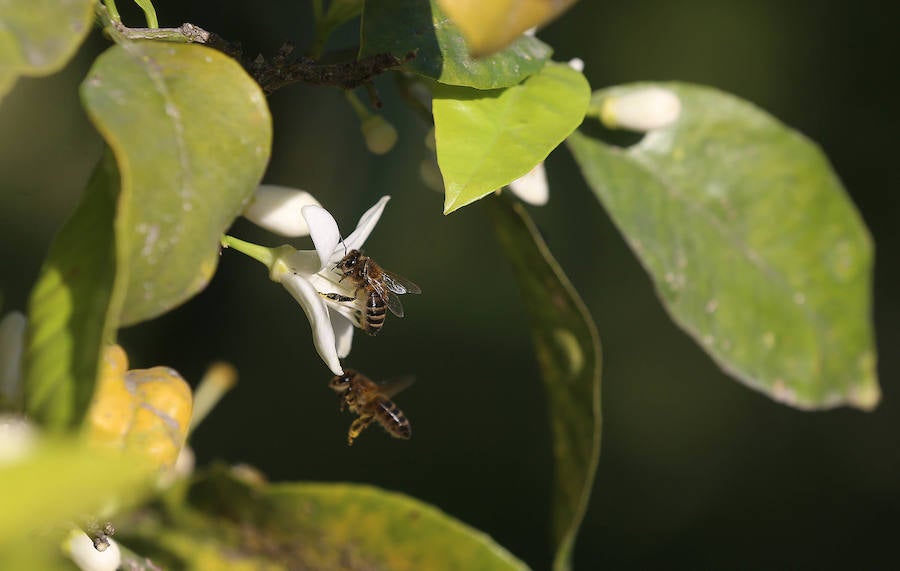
{"x": 696, "y": 470}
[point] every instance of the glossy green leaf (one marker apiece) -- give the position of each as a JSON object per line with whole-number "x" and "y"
{"x": 61, "y": 482}
{"x": 230, "y": 524}
{"x": 400, "y": 27}
{"x": 568, "y": 352}
{"x": 70, "y": 309}
{"x": 486, "y": 140}
{"x": 191, "y": 133}
{"x": 752, "y": 243}
{"x": 37, "y": 37}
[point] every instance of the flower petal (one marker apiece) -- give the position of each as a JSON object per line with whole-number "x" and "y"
{"x": 317, "y": 313}
{"x": 324, "y": 232}
{"x": 532, "y": 186}
{"x": 81, "y": 549}
{"x": 365, "y": 226}
{"x": 343, "y": 333}
{"x": 641, "y": 110}
{"x": 278, "y": 210}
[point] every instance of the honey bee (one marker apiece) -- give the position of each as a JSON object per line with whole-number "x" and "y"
{"x": 380, "y": 285}
{"x": 371, "y": 401}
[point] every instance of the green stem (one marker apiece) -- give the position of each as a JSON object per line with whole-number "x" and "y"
{"x": 361, "y": 111}
{"x": 149, "y": 13}
{"x": 255, "y": 251}
{"x": 218, "y": 380}
{"x": 113, "y": 11}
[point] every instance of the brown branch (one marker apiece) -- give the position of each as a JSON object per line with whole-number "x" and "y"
{"x": 281, "y": 71}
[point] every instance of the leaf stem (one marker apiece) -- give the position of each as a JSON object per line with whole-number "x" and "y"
{"x": 149, "y": 13}
{"x": 111, "y": 10}
{"x": 219, "y": 379}
{"x": 255, "y": 251}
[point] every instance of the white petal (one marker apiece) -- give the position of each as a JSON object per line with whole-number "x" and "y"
{"x": 18, "y": 437}
{"x": 317, "y": 313}
{"x": 12, "y": 339}
{"x": 532, "y": 187}
{"x": 304, "y": 262}
{"x": 641, "y": 110}
{"x": 343, "y": 333}
{"x": 278, "y": 210}
{"x": 324, "y": 232}
{"x": 366, "y": 224}
{"x": 82, "y": 551}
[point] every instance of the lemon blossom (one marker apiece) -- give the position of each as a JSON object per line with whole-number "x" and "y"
{"x": 309, "y": 274}
{"x": 532, "y": 187}
{"x": 81, "y": 549}
{"x": 277, "y": 209}
{"x": 642, "y": 109}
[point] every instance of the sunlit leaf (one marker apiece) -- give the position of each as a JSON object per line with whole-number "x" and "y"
{"x": 145, "y": 412}
{"x": 191, "y": 133}
{"x": 491, "y": 26}
{"x": 418, "y": 26}
{"x": 568, "y": 352}
{"x": 37, "y": 37}
{"x": 487, "y": 139}
{"x": 230, "y": 524}
{"x": 753, "y": 245}
{"x": 61, "y": 482}
{"x": 71, "y": 308}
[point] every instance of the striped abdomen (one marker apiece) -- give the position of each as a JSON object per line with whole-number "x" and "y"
{"x": 376, "y": 311}
{"x": 392, "y": 419}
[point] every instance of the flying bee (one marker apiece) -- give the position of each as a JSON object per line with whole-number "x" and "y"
{"x": 381, "y": 287}
{"x": 371, "y": 401}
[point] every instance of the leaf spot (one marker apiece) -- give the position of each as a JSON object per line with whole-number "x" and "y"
{"x": 799, "y": 298}
{"x": 712, "y": 305}
{"x": 768, "y": 340}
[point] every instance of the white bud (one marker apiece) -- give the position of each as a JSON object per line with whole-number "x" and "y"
{"x": 380, "y": 135}
{"x": 577, "y": 64}
{"x": 641, "y": 110}
{"x": 12, "y": 339}
{"x": 81, "y": 549}
{"x": 278, "y": 210}
{"x": 17, "y": 437}
{"x": 532, "y": 186}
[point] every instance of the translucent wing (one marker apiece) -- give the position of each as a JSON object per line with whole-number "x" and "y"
{"x": 390, "y": 299}
{"x": 399, "y": 284}
{"x": 391, "y": 387}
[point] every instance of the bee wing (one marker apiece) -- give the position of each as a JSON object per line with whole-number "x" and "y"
{"x": 399, "y": 284}
{"x": 390, "y": 299}
{"x": 393, "y": 386}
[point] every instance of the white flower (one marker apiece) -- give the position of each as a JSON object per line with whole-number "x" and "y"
{"x": 532, "y": 187}
{"x": 81, "y": 549}
{"x": 643, "y": 109}
{"x": 308, "y": 274}
{"x": 277, "y": 209}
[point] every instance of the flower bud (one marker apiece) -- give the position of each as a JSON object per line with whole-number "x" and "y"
{"x": 81, "y": 549}
{"x": 380, "y": 135}
{"x": 641, "y": 110}
{"x": 278, "y": 210}
{"x": 532, "y": 186}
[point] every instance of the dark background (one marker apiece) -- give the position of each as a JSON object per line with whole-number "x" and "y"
{"x": 696, "y": 470}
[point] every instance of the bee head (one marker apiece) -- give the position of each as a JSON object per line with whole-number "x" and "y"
{"x": 341, "y": 383}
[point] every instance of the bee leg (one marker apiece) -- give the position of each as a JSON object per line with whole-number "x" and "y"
{"x": 337, "y": 297}
{"x": 358, "y": 426}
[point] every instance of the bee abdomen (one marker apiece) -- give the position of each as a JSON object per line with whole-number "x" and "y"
{"x": 375, "y": 313}
{"x": 392, "y": 419}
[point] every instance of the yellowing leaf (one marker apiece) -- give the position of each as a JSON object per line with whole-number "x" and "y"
{"x": 146, "y": 411}
{"x": 491, "y": 26}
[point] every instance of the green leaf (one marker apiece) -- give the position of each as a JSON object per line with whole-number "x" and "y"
{"x": 70, "y": 311}
{"x": 568, "y": 352}
{"x": 191, "y": 133}
{"x": 419, "y": 26}
{"x": 63, "y": 481}
{"x": 230, "y": 524}
{"x": 486, "y": 140}
{"x": 752, "y": 243}
{"x": 37, "y": 37}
